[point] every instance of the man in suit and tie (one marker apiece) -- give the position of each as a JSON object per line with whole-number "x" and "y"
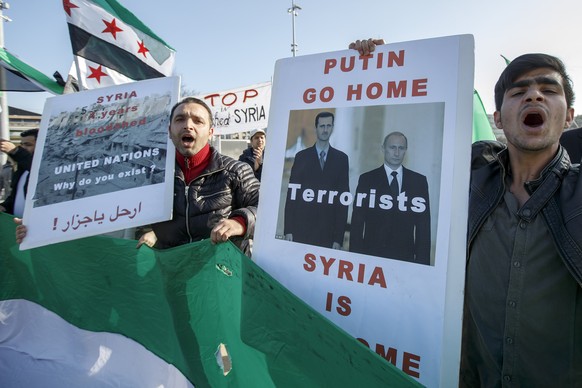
{"x": 313, "y": 212}
{"x": 391, "y": 212}
{"x": 572, "y": 141}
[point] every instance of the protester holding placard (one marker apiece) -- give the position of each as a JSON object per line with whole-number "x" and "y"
{"x": 525, "y": 238}
{"x": 522, "y": 324}
{"x": 214, "y": 195}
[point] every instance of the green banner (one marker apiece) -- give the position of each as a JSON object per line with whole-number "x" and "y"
{"x": 182, "y": 303}
{"x": 18, "y": 76}
{"x": 481, "y": 127}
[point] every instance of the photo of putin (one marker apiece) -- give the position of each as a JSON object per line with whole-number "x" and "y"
{"x": 391, "y": 212}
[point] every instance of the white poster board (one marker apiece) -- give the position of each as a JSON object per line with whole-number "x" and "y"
{"x": 239, "y": 110}
{"x": 103, "y": 162}
{"x": 406, "y": 308}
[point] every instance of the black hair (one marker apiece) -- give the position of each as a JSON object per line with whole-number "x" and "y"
{"x": 192, "y": 100}
{"x": 526, "y": 63}
{"x": 30, "y": 132}
{"x": 324, "y": 114}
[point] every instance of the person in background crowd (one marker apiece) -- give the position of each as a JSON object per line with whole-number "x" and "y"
{"x": 22, "y": 155}
{"x": 572, "y": 141}
{"x": 6, "y": 179}
{"x": 254, "y": 154}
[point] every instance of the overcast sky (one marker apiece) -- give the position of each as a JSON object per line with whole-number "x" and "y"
{"x": 227, "y": 44}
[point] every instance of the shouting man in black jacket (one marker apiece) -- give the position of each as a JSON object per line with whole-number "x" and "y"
{"x": 214, "y": 195}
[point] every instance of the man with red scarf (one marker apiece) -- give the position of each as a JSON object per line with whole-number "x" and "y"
{"x": 214, "y": 195}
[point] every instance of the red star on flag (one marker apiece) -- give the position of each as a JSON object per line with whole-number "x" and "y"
{"x": 97, "y": 73}
{"x": 111, "y": 28}
{"x": 67, "y": 5}
{"x": 142, "y": 49}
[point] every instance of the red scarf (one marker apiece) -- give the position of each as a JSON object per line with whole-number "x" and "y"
{"x": 193, "y": 166}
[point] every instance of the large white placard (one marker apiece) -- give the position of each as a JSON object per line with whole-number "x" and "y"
{"x": 103, "y": 162}
{"x": 404, "y": 304}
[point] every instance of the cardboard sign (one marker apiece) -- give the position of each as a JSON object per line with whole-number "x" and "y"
{"x": 384, "y": 260}
{"x": 103, "y": 162}
{"x": 239, "y": 110}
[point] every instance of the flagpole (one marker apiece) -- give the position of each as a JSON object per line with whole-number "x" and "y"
{"x": 4, "y": 127}
{"x": 80, "y": 81}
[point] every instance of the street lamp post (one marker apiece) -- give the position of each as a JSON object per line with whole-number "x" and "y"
{"x": 293, "y": 11}
{"x": 4, "y": 128}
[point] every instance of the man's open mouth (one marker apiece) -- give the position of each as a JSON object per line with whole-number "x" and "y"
{"x": 187, "y": 139}
{"x": 533, "y": 120}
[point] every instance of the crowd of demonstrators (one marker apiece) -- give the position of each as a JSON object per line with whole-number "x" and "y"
{"x": 319, "y": 167}
{"x": 522, "y": 321}
{"x": 372, "y": 228}
{"x": 22, "y": 155}
{"x": 215, "y": 196}
{"x": 254, "y": 154}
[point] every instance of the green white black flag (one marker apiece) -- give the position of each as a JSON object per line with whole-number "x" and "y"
{"x": 112, "y": 46}
{"x": 17, "y": 76}
{"x": 97, "y": 312}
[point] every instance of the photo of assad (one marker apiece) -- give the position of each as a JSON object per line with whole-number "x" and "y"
{"x": 320, "y": 167}
{"x": 364, "y": 180}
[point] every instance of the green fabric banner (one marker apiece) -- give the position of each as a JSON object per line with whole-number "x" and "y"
{"x": 481, "y": 127}
{"x": 182, "y": 303}
{"x": 18, "y": 76}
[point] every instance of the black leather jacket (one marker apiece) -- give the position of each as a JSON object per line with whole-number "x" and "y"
{"x": 557, "y": 194}
{"x": 23, "y": 159}
{"x": 226, "y": 188}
